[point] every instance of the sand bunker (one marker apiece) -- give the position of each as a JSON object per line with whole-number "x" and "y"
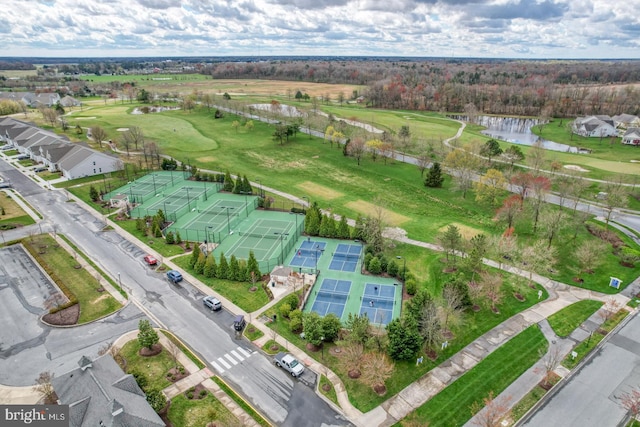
{"x": 122, "y": 129}
{"x": 575, "y": 168}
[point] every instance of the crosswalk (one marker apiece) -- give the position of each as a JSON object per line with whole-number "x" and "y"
{"x": 231, "y": 359}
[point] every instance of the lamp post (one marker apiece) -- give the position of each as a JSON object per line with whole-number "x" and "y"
{"x": 281, "y": 245}
{"x": 119, "y": 281}
{"x": 404, "y": 267}
{"x": 154, "y": 183}
{"x": 322, "y": 339}
{"x": 228, "y": 223}
{"x": 260, "y": 188}
{"x": 188, "y": 199}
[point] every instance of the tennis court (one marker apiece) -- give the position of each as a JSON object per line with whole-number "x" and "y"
{"x": 267, "y": 238}
{"x": 378, "y": 302}
{"x": 332, "y": 297}
{"x": 223, "y": 215}
{"x": 345, "y": 258}
{"x": 308, "y": 254}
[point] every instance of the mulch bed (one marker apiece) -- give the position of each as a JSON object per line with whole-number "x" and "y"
{"x": 68, "y": 316}
{"x": 194, "y": 392}
{"x": 175, "y": 375}
{"x": 354, "y": 373}
{"x": 578, "y": 280}
{"x": 148, "y": 352}
{"x": 519, "y": 297}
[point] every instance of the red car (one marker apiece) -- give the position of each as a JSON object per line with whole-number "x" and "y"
{"x": 150, "y": 260}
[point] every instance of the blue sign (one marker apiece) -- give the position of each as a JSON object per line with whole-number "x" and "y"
{"x": 615, "y": 283}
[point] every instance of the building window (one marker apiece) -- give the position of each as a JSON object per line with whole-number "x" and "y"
{"x": 94, "y": 171}
{"x": 100, "y": 170}
{"x": 94, "y": 163}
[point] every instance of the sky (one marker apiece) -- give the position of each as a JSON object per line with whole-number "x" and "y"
{"x": 582, "y": 29}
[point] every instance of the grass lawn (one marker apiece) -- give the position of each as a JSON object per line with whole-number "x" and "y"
{"x": 252, "y": 333}
{"x": 11, "y": 214}
{"x": 452, "y": 406}
{"x": 238, "y": 293}
{"x": 154, "y": 368}
{"x": 53, "y": 258}
{"x": 330, "y": 392}
{"x": 569, "y": 318}
{"x": 199, "y": 412}
{"x": 158, "y": 243}
{"x": 272, "y": 347}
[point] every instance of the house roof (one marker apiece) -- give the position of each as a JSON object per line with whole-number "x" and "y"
{"x": 632, "y": 132}
{"x": 99, "y": 393}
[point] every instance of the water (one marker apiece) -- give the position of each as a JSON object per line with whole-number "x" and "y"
{"x": 517, "y": 130}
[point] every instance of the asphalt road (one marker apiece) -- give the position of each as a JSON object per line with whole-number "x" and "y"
{"x": 591, "y": 395}
{"x": 284, "y": 400}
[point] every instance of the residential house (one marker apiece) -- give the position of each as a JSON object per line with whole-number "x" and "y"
{"x": 594, "y": 126}
{"x": 57, "y": 153}
{"x": 631, "y": 136}
{"x": 33, "y": 100}
{"x": 99, "y": 393}
{"x": 626, "y": 121}
{"x": 69, "y": 101}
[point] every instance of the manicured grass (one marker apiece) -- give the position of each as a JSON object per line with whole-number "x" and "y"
{"x": 53, "y": 258}
{"x": 569, "y": 318}
{"x": 267, "y": 347}
{"x": 14, "y": 215}
{"x": 585, "y": 347}
{"x": 452, "y": 406}
{"x": 158, "y": 243}
{"x": 331, "y": 393}
{"x": 527, "y": 402}
{"x": 154, "y": 368}
{"x": 241, "y": 402}
{"x": 238, "y": 293}
{"x": 252, "y": 333}
{"x": 184, "y": 349}
{"x": 184, "y": 412}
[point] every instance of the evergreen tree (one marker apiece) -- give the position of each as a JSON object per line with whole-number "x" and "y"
{"x": 157, "y": 232}
{"x": 210, "y": 267}
{"x": 331, "y": 226}
{"x": 243, "y": 273}
{"x": 404, "y": 338}
{"x": 199, "y": 265}
{"x": 324, "y": 226}
{"x": 223, "y": 267}
{"x": 178, "y": 238}
{"x": 237, "y": 189}
{"x": 141, "y": 224}
{"x": 93, "y": 194}
{"x": 343, "y": 228}
{"x": 160, "y": 216}
{"x": 233, "y": 269}
{"x": 374, "y": 266}
{"x": 246, "y": 185}
{"x": 169, "y": 238}
{"x": 253, "y": 266}
{"x": 434, "y": 177}
{"x": 195, "y": 254}
{"x": 358, "y": 230}
{"x": 392, "y": 268}
{"x": 147, "y": 336}
{"x": 312, "y": 222}
{"x": 228, "y": 182}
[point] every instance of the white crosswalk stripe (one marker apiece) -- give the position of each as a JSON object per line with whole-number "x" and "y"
{"x": 231, "y": 359}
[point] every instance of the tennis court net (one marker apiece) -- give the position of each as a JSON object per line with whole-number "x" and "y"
{"x": 332, "y": 296}
{"x": 345, "y": 257}
{"x": 261, "y": 236}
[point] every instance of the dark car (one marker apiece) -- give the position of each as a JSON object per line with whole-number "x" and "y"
{"x": 212, "y": 303}
{"x": 239, "y": 322}
{"x": 174, "y": 276}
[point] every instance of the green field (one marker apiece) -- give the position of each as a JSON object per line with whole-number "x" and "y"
{"x": 569, "y": 318}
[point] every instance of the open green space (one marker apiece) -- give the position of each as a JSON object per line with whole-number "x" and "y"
{"x": 186, "y": 412}
{"x": 452, "y": 406}
{"x": 153, "y": 368}
{"x": 61, "y": 266}
{"x": 569, "y": 318}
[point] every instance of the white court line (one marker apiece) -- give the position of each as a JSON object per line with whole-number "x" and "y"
{"x": 222, "y": 361}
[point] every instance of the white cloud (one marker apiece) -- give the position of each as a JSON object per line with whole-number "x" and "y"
{"x": 489, "y": 28}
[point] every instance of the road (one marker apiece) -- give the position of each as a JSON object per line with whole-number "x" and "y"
{"x": 284, "y": 400}
{"x": 591, "y": 395}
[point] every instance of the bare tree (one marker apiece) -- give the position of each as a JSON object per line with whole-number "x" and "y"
{"x": 491, "y": 411}
{"x": 430, "y": 326}
{"x": 98, "y": 134}
{"x": 610, "y": 308}
{"x": 538, "y": 258}
{"x": 44, "y": 386}
{"x": 356, "y": 148}
{"x": 451, "y": 309}
{"x": 552, "y": 221}
{"x": 134, "y": 136}
{"x": 617, "y": 197}
{"x": 464, "y": 166}
{"x": 351, "y": 359}
{"x": 490, "y": 289}
{"x": 631, "y": 402}
{"x": 589, "y": 255}
{"x": 550, "y": 361}
{"x": 376, "y": 368}
{"x": 50, "y": 115}
{"x": 536, "y": 156}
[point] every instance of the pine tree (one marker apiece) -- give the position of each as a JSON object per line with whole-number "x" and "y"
{"x": 199, "y": 265}
{"x": 233, "y": 269}
{"x": 253, "y": 266}
{"x": 358, "y": 229}
{"x": 324, "y": 226}
{"x": 170, "y": 238}
{"x": 178, "y": 238}
{"x": 243, "y": 274}
{"x": 246, "y": 185}
{"x": 331, "y": 226}
{"x": 210, "y": 267}
{"x": 147, "y": 336}
{"x": 343, "y": 228}
{"x": 237, "y": 189}
{"x": 434, "y": 177}
{"x": 312, "y": 222}
{"x": 93, "y": 194}
{"x": 228, "y": 182}
{"x": 194, "y": 255}
{"x": 223, "y": 267}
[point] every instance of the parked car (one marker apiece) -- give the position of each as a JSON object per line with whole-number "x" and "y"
{"x": 150, "y": 260}
{"x": 289, "y": 363}
{"x": 174, "y": 276}
{"x": 40, "y": 169}
{"x": 212, "y": 303}
{"x": 239, "y": 322}
{"x": 22, "y": 157}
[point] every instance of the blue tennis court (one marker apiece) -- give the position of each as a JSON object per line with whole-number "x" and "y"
{"x": 345, "y": 258}
{"x": 332, "y": 297}
{"x": 308, "y": 254}
{"x": 377, "y": 303}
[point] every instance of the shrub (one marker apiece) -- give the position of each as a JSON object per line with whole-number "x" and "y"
{"x": 156, "y": 399}
{"x": 295, "y": 320}
{"x": 292, "y": 301}
{"x": 411, "y": 286}
{"x": 203, "y": 393}
{"x": 285, "y": 309}
{"x": 140, "y": 378}
{"x": 374, "y": 266}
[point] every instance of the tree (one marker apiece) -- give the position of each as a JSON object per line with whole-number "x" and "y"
{"x": 617, "y": 197}
{"x": 430, "y": 325}
{"x": 404, "y": 338}
{"x": 44, "y": 386}
{"x": 358, "y": 326}
{"x": 589, "y": 255}
{"x": 538, "y": 258}
{"x": 464, "y": 166}
{"x": 374, "y": 146}
{"x": 312, "y": 325}
{"x": 490, "y": 187}
{"x": 536, "y": 156}
{"x": 147, "y": 336}
{"x": 253, "y": 268}
{"x": 133, "y": 136}
{"x": 356, "y": 148}
{"x": 510, "y": 210}
{"x": 229, "y": 183}
{"x": 404, "y": 133}
{"x": 552, "y": 221}
{"x": 195, "y": 255}
{"x": 376, "y": 368}
{"x": 374, "y": 266}
{"x": 235, "y": 125}
{"x": 523, "y": 181}
{"x": 540, "y": 187}
{"x": 478, "y": 246}
{"x": 491, "y": 412}
{"x": 631, "y": 402}
{"x": 98, "y": 134}
{"x": 49, "y": 115}
{"x": 610, "y": 308}
{"x": 343, "y": 228}
{"x": 490, "y": 289}
{"x": 450, "y": 240}
{"x": 234, "y": 269}
{"x": 331, "y": 327}
{"x": 223, "y": 267}
{"x": 512, "y": 155}
{"x": 281, "y": 133}
{"x": 157, "y": 400}
{"x": 434, "y": 177}
{"x": 452, "y": 307}
{"x": 351, "y": 359}
{"x": 550, "y": 361}
{"x": 93, "y": 194}
{"x": 210, "y": 267}
{"x": 491, "y": 149}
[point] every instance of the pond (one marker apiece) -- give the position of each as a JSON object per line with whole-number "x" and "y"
{"x": 517, "y": 130}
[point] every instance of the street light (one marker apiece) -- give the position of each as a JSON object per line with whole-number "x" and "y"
{"x": 119, "y": 281}
{"x": 188, "y": 200}
{"x": 228, "y": 224}
{"x": 404, "y": 267}
{"x": 281, "y": 247}
{"x": 260, "y": 189}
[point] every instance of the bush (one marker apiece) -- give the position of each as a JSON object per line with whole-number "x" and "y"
{"x": 411, "y": 286}
{"x": 157, "y": 400}
{"x": 295, "y": 320}
{"x": 140, "y": 378}
{"x": 374, "y": 266}
{"x": 285, "y": 309}
{"x": 292, "y": 301}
